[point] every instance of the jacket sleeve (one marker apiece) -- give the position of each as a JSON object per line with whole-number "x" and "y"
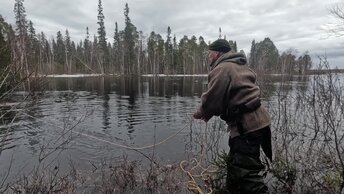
{"x": 212, "y": 101}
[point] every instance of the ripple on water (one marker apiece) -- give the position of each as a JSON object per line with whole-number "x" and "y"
{"x": 113, "y": 113}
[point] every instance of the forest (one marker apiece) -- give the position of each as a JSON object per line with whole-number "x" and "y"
{"x": 117, "y": 116}
{"x": 26, "y": 52}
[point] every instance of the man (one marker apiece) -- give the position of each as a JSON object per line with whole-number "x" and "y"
{"x": 234, "y": 96}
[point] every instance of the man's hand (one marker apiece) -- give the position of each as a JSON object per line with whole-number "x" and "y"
{"x": 199, "y": 115}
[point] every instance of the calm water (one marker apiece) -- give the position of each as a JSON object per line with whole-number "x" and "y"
{"x": 134, "y": 111}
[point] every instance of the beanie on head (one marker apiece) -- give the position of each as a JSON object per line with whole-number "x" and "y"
{"x": 221, "y": 45}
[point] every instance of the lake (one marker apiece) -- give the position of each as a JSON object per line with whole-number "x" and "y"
{"x": 86, "y": 120}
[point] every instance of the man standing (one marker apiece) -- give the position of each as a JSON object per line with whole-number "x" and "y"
{"x": 234, "y": 96}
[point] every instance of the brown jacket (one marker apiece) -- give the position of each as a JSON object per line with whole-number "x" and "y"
{"x": 232, "y": 83}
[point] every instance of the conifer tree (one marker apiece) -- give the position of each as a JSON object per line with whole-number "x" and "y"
{"x": 192, "y": 45}
{"x": 203, "y": 51}
{"x": 117, "y": 50}
{"x": 68, "y": 51}
{"x": 45, "y": 55}
{"x": 33, "y": 44}
{"x": 253, "y": 55}
{"x": 102, "y": 44}
{"x": 264, "y": 56}
{"x": 183, "y": 54}
{"x": 160, "y": 53}
{"x": 168, "y": 51}
{"x": 130, "y": 38}
{"x": 152, "y": 53}
{"x": 175, "y": 58}
{"x": 60, "y": 52}
{"x": 21, "y": 32}
{"x": 101, "y": 28}
{"x": 5, "y": 52}
{"x": 87, "y": 48}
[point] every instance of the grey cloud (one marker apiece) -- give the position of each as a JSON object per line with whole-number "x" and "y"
{"x": 53, "y": 16}
{"x": 6, "y": 10}
{"x": 335, "y": 52}
{"x": 295, "y": 23}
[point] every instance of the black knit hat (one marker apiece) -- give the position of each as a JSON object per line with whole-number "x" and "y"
{"x": 221, "y": 45}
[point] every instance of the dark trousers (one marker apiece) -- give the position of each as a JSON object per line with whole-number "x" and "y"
{"x": 244, "y": 166}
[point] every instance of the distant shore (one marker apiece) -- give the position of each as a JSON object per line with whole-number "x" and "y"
{"x": 323, "y": 71}
{"x": 310, "y": 72}
{"x": 99, "y": 75}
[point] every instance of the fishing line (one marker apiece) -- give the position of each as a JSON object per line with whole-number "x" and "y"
{"x": 110, "y": 142}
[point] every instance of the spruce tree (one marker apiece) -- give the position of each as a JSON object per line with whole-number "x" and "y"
{"x": 160, "y": 53}
{"x": 103, "y": 54}
{"x": 117, "y": 50}
{"x": 203, "y": 58}
{"x": 20, "y": 16}
{"x": 168, "y": 51}
{"x": 33, "y": 47}
{"x": 87, "y": 48}
{"x": 175, "y": 58}
{"x": 183, "y": 54}
{"x": 130, "y": 38}
{"x": 101, "y": 28}
{"x": 192, "y": 45}
{"x": 152, "y": 52}
{"x": 253, "y": 55}
{"x": 21, "y": 32}
{"x": 60, "y": 52}
{"x": 45, "y": 59}
{"x": 68, "y": 50}
{"x": 5, "y": 52}
{"x": 79, "y": 66}
{"x": 266, "y": 56}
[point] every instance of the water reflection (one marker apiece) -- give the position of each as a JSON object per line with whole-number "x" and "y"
{"x": 133, "y": 111}
{"x": 132, "y": 86}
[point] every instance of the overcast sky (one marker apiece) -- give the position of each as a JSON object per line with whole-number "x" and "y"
{"x": 297, "y": 24}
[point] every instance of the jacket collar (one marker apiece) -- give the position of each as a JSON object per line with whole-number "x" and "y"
{"x": 237, "y": 58}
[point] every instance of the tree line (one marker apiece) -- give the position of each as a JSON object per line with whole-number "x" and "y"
{"x": 265, "y": 58}
{"x": 129, "y": 52}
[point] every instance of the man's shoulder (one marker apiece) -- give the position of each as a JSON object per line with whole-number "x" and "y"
{"x": 221, "y": 68}
{"x": 226, "y": 67}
